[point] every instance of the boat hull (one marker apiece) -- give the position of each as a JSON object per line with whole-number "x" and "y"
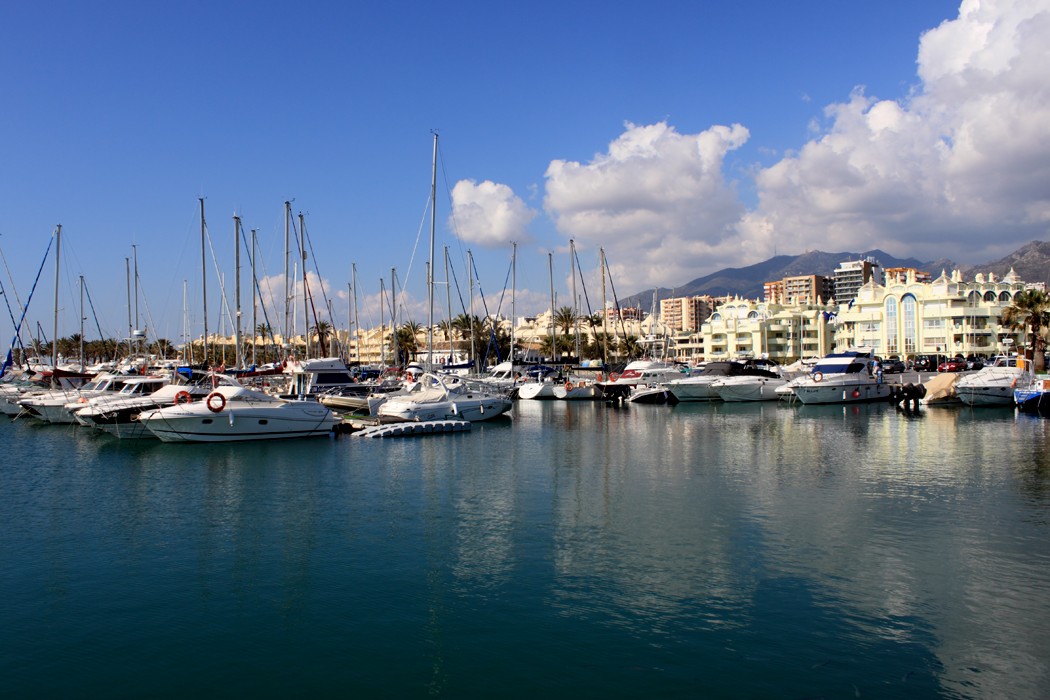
{"x": 190, "y": 424}
{"x": 824, "y": 393}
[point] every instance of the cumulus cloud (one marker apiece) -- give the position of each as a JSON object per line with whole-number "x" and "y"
{"x": 489, "y": 214}
{"x": 657, "y": 201}
{"x": 959, "y": 167}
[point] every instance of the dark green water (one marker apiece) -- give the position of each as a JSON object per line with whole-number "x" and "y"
{"x": 573, "y": 551}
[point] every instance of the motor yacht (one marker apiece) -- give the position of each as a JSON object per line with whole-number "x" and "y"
{"x": 843, "y": 377}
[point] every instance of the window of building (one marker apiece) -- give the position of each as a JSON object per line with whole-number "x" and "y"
{"x": 909, "y": 316}
{"x": 891, "y": 325}
{"x": 1004, "y": 297}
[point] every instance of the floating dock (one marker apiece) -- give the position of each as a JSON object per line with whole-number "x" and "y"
{"x": 412, "y": 428}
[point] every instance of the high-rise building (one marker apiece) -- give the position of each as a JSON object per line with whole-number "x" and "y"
{"x": 685, "y": 314}
{"x": 851, "y": 275}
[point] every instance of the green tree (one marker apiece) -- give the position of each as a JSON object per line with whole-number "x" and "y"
{"x": 406, "y": 342}
{"x": 1030, "y": 311}
{"x": 322, "y": 330}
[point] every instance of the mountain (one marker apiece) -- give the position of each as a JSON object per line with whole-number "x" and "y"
{"x": 747, "y": 281}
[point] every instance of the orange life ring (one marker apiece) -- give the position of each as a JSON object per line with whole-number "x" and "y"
{"x": 183, "y": 397}
{"x": 211, "y": 406}
{"x": 568, "y": 386}
{"x": 599, "y": 377}
{"x": 817, "y": 376}
{"x": 613, "y": 376}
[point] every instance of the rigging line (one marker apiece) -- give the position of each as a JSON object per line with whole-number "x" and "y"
{"x": 484, "y": 304}
{"x": 493, "y": 340}
{"x": 590, "y": 311}
{"x": 415, "y": 248}
{"x": 105, "y": 343}
{"x": 10, "y": 313}
{"x": 448, "y": 195}
{"x": 262, "y": 303}
{"x": 459, "y": 292}
{"x": 14, "y": 289}
{"x": 320, "y": 279}
{"x": 616, "y": 302}
{"x": 25, "y": 309}
{"x": 218, "y": 273}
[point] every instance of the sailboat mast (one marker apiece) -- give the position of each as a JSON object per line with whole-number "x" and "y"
{"x": 430, "y": 270}
{"x": 306, "y": 291}
{"x": 238, "y": 358}
{"x": 255, "y": 339}
{"x": 473, "y": 345}
{"x": 554, "y": 339}
{"x": 287, "y": 331}
{"x": 54, "y": 335}
{"x": 135, "y": 282}
{"x": 357, "y": 315}
{"x": 575, "y": 301}
{"x": 204, "y": 282}
{"x": 382, "y": 320}
{"x": 448, "y": 296}
{"x": 513, "y": 297}
{"x": 605, "y": 313}
{"x": 127, "y": 273}
{"x": 82, "y": 323}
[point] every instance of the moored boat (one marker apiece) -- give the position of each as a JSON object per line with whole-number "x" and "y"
{"x": 842, "y": 377}
{"x": 237, "y": 413}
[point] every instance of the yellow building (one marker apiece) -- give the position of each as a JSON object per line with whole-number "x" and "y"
{"x": 783, "y": 333}
{"x": 908, "y": 317}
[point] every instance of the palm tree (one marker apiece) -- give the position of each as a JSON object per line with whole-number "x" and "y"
{"x": 630, "y": 346}
{"x": 322, "y": 329}
{"x": 405, "y": 342}
{"x": 1030, "y": 311}
{"x": 565, "y": 318}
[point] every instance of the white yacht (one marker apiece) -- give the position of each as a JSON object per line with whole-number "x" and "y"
{"x": 701, "y": 386}
{"x": 992, "y": 385}
{"x": 118, "y": 414}
{"x": 51, "y": 406}
{"x": 842, "y": 377}
{"x": 759, "y": 384}
{"x": 236, "y": 413}
{"x": 447, "y": 397}
{"x": 638, "y": 373}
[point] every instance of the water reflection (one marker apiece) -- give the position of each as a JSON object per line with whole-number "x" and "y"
{"x": 774, "y": 549}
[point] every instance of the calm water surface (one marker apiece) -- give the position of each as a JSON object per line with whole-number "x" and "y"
{"x": 575, "y": 550}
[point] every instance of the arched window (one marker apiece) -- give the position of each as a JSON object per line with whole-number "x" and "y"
{"x": 989, "y": 296}
{"x": 716, "y": 317}
{"x": 972, "y": 298}
{"x": 1004, "y": 297}
{"x": 891, "y": 325}
{"x": 752, "y": 316}
{"x": 909, "y": 318}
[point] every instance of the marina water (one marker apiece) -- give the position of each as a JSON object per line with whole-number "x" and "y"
{"x": 574, "y": 550}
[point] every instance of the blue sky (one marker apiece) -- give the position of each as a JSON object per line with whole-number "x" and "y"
{"x": 681, "y": 136}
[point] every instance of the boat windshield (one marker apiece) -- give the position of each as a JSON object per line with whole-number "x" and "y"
{"x": 840, "y": 365}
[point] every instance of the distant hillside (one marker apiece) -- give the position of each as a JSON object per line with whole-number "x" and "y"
{"x": 747, "y": 281}
{"x": 1031, "y": 262}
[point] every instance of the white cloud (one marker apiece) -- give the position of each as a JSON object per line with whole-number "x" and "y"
{"x": 489, "y": 214}
{"x": 657, "y": 201}
{"x": 959, "y": 168}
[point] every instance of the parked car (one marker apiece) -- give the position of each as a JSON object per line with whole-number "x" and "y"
{"x": 976, "y": 362}
{"x": 956, "y": 364}
{"x": 929, "y": 363}
{"x": 893, "y": 366}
